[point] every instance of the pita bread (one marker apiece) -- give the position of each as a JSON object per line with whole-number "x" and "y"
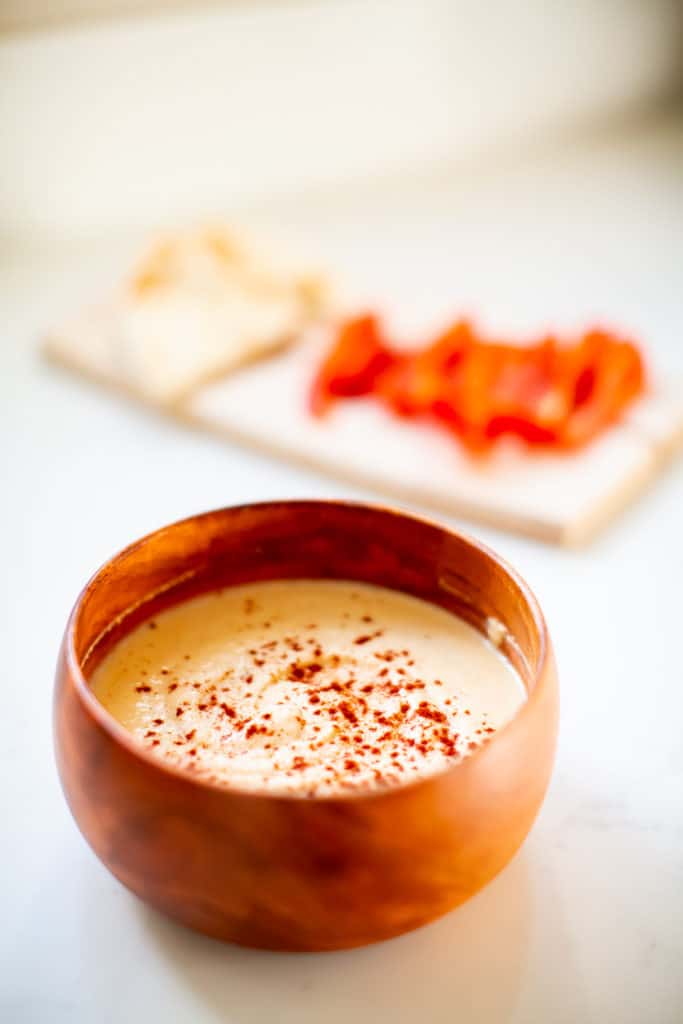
{"x": 197, "y": 306}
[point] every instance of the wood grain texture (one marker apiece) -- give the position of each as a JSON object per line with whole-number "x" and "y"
{"x": 283, "y": 872}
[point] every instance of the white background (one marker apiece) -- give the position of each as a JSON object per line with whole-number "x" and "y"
{"x": 408, "y": 145}
{"x": 586, "y": 924}
{"x": 149, "y": 119}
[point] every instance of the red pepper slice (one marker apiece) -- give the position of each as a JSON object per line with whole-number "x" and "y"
{"x": 546, "y": 394}
{"x": 611, "y": 376}
{"x": 414, "y": 381}
{"x": 353, "y": 365}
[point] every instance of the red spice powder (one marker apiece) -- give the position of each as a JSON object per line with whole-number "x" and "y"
{"x": 365, "y": 732}
{"x": 348, "y": 712}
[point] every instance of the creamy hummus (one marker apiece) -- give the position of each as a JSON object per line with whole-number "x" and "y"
{"x": 308, "y": 687}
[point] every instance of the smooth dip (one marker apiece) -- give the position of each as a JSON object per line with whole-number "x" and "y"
{"x": 308, "y": 687}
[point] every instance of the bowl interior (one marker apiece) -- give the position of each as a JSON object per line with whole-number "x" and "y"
{"x": 310, "y": 540}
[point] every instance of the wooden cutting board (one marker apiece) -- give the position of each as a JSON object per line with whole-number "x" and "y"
{"x": 563, "y": 499}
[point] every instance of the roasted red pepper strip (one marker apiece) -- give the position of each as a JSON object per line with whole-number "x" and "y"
{"x": 415, "y": 381}
{"x": 546, "y": 394}
{"x": 353, "y": 365}
{"x": 607, "y": 382}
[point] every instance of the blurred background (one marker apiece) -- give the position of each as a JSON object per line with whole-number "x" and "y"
{"x": 521, "y": 161}
{"x": 119, "y": 114}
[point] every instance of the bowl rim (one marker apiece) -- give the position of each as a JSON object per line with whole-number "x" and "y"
{"x": 124, "y": 738}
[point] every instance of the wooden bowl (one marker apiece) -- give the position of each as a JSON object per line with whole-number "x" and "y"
{"x": 284, "y": 872}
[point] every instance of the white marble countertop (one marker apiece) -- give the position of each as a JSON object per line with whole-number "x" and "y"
{"x": 586, "y": 924}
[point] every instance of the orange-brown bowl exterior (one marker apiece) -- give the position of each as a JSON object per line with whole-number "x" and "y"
{"x": 283, "y": 872}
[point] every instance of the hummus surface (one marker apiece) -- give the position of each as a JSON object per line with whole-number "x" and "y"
{"x": 308, "y": 687}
